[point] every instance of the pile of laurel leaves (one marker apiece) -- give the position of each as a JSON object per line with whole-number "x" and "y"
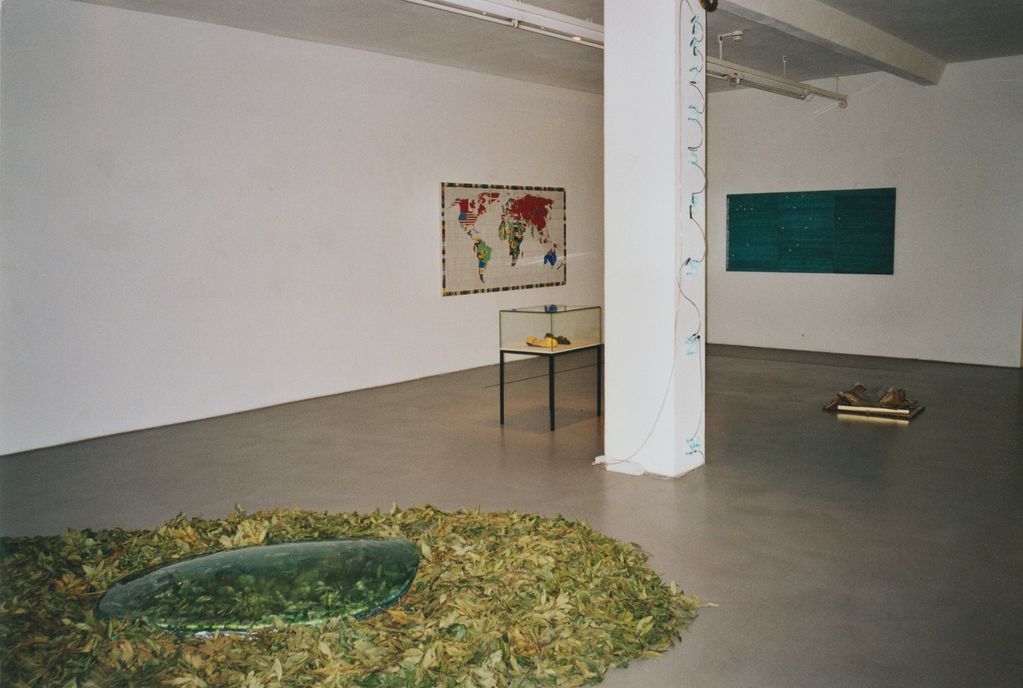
{"x": 500, "y": 599}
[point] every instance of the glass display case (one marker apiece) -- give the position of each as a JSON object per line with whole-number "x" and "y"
{"x": 550, "y": 329}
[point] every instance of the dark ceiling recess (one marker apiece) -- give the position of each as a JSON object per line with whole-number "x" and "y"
{"x": 709, "y": 5}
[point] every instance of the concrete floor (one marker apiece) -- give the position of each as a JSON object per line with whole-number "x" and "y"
{"x": 840, "y": 552}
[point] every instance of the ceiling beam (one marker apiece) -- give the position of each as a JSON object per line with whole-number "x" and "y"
{"x": 820, "y": 24}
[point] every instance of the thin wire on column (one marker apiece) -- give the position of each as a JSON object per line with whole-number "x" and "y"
{"x": 692, "y": 265}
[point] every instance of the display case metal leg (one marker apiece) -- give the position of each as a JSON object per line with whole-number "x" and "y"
{"x": 600, "y": 379}
{"x": 502, "y": 388}
{"x": 550, "y": 385}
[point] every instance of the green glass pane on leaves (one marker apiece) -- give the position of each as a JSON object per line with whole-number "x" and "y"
{"x": 244, "y": 589}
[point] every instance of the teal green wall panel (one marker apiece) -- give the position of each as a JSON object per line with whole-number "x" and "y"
{"x": 848, "y": 231}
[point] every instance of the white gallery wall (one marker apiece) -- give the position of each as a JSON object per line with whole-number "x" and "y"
{"x": 198, "y": 220}
{"x": 953, "y": 151}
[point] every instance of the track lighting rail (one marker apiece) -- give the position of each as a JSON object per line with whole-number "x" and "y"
{"x": 527, "y": 17}
{"x": 738, "y": 75}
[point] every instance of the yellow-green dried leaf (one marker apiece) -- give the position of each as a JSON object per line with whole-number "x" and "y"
{"x": 501, "y": 600}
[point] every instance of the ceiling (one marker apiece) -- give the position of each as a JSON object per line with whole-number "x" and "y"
{"x": 400, "y": 28}
{"x": 952, "y": 30}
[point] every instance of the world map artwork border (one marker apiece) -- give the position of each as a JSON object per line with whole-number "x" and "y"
{"x": 504, "y": 188}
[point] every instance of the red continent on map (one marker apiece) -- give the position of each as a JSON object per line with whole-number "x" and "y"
{"x": 532, "y": 209}
{"x": 477, "y": 206}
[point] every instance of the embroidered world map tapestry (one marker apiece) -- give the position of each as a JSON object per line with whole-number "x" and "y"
{"x": 497, "y": 238}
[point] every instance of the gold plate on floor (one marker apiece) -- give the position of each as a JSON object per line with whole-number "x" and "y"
{"x": 836, "y": 406}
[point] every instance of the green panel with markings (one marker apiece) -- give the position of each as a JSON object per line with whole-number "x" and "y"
{"x": 849, "y": 231}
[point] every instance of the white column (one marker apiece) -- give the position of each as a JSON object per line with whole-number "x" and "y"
{"x": 654, "y": 254}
